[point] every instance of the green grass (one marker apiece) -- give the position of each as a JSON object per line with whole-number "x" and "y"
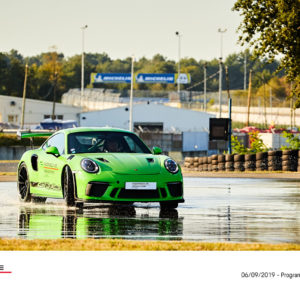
{"x": 12, "y": 140}
{"x": 8, "y": 174}
{"x": 125, "y": 245}
{"x": 240, "y": 125}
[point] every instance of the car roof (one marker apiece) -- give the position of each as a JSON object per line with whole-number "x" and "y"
{"x": 87, "y": 129}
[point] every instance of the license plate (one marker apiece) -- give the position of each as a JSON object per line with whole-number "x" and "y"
{"x": 140, "y": 185}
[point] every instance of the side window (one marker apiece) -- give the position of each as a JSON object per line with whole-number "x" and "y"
{"x": 57, "y": 141}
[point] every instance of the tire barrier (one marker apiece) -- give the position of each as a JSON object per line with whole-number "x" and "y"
{"x": 250, "y": 162}
{"x": 229, "y": 163}
{"x": 290, "y": 160}
{"x": 239, "y": 162}
{"x": 261, "y": 161}
{"x": 214, "y": 163}
{"x": 209, "y": 168}
{"x": 221, "y": 162}
{"x": 275, "y": 160}
{"x": 287, "y": 160}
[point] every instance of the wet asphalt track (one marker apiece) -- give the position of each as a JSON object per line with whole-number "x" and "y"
{"x": 215, "y": 210}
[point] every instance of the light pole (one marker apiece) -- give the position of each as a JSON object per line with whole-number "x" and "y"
{"x": 82, "y": 64}
{"x": 131, "y": 95}
{"x": 24, "y": 97}
{"x": 220, "y": 87}
{"x": 179, "y": 46}
{"x": 204, "y": 90}
{"x": 245, "y": 71}
{"x": 220, "y": 70}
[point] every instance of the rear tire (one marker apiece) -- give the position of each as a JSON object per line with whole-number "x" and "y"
{"x": 168, "y": 204}
{"x": 38, "y": 199}
{"x": 68, "y": 187}
{"x": 23, "y": 184}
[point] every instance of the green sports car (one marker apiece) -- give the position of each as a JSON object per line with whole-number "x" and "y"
{"x": 98, "y": 165}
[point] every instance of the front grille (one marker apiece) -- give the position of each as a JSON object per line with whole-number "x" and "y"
{"x": 175, "y": 189}
{"x": 135, "y": 194}
{"x": 96, "y": 189}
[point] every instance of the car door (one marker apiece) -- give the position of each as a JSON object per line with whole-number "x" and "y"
{"x": 51, "y": 166}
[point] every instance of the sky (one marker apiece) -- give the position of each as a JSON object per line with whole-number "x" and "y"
{"x": 120, "y": 28}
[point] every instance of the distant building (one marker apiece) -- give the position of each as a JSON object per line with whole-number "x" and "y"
{"x": 92, "y": 99}
{"x": 35, "y": 111}
{"x": 158, "y": 125}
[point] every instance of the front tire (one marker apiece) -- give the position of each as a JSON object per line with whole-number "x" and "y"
{"x": 23, "y": 184}
{"x": 168, "y": 204}
{"x": 68, "y": 187}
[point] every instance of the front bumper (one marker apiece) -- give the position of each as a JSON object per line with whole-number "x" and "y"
{"x": 111, "y": 187}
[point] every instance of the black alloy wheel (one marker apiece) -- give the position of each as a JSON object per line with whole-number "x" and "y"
{"x": 68, "y": 187}
{"x": 23, "y": 184}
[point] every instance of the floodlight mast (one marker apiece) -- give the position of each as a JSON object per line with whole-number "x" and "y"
{"x": 179, "y": 57}
{"x": 131, "y": 95}
{"x": 82, "y": 65}
{"x": 220, "y": 70}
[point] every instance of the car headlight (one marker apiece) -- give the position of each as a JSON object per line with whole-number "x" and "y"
{"x": 171, "y": 166}
{"x": 89, "y": 166}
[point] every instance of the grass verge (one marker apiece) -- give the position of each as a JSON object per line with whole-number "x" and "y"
{"x": 8, "y": 173}
{"x": 125, "y": 245}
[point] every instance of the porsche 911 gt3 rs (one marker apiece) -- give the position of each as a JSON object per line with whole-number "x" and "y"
{"x": 98, "y": 165}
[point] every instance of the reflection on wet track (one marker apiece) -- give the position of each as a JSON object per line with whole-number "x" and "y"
{"x": 216, "y": 209}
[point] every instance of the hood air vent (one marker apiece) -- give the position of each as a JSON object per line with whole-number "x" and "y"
{"x": 103, "y": 159}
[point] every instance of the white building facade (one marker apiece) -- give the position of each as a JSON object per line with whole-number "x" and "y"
{"x": 192, "y": 126}
{"x": 169, "y": 118}
{"x": 35, "y": 111}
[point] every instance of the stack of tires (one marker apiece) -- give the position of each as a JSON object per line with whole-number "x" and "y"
{"x": 250, "y": 162}
{"x": 229, "y": 162}
{"x": 204, "y": 164}
{"x": 195, "y": 163}
{"x": 214, "y": 163}
{"x": 239, "y": 162}
{"x": 290, "y": 160}
{"x": 274, "y": 161}
{"x": 188, "y": 162}
{"x": 221, "y": 162}
{"x": 209, "y": 166}
{"x": 200, "y": 166}
{"x": 261, "y": 161}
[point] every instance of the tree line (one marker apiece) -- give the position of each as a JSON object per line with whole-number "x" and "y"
{"x": 50, "y": 69}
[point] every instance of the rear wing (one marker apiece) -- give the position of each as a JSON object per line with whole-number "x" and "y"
{"x": 33, "y": 134}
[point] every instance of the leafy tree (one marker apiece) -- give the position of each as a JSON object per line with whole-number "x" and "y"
{"x": 48, "y": 73}
{"x": 272, "y": 28}
{"x": 237, "y": 147}
{"x": 14, "y": 74}
{"x": 292, "y": 140}
{"x": 256, "y": 143}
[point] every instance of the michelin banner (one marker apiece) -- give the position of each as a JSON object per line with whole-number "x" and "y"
{"x": 110, "y": 77}
{"x": 163, "y": 78}
{"x": 141, "y": 78}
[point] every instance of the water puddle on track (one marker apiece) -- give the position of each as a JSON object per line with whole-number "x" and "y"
{"x": 215, "y": 210}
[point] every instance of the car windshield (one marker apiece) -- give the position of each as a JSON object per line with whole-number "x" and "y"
{"x": 105, "y": 141}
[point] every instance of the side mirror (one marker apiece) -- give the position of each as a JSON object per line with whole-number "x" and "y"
{"x": 52, "y": 150}
{"x": 156, "y": 150}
